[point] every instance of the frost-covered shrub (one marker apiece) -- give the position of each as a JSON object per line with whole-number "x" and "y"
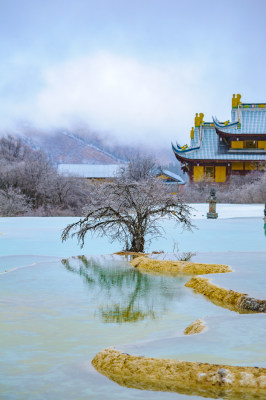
{"x": 13, "y": 202}
{"x": 27, "y": 175}
{"x": 240, "y": 189}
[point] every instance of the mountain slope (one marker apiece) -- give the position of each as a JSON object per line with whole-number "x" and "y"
{"x": 65, "y": 147}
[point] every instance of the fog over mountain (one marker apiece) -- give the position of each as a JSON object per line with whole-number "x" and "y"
{"x": 80, "y": 145}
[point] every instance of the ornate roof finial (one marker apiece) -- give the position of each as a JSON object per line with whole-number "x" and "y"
{"x": 236, "y": 100}
{"x": 201, "y": 118}
{"x": 197, "y": 120}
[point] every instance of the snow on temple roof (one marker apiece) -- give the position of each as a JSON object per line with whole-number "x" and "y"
{"x": 206, "y": 144}
{"x": 89, "y": 170}
{"x": 211, "y": 148}
{"x": 252, "y": 121}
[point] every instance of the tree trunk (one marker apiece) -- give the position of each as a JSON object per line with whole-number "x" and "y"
{"x": 137, "y": 244}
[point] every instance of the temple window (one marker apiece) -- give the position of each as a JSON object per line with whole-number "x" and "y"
{"x": 209, "y": 172}
{"x": 250, "y": 144}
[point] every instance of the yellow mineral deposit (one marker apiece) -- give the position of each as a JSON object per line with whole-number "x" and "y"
{"x": 197, "y": 326}
{"x": 192, "y": 378}
{"x": 127, "y": 253}
{"x": 235, "y": 301}
{"x": 173, "y": 268}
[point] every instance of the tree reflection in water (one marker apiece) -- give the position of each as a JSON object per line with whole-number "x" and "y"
{"x": 127, "y": 294}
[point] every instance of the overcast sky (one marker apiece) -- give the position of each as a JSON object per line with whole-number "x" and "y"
{"x": 138, "y": 70}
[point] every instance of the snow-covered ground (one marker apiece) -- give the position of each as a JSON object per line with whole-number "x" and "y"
{"x": 229, "y": 210}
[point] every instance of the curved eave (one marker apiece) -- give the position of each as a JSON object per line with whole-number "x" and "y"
{"x": 219, "y": 125}
{"x": 183, "y": 159}
{"x": 244, "y": 136}
{"x": 181, "y": 156}
{"x": 186, "y": 151}
{"x": 178, "y": 147}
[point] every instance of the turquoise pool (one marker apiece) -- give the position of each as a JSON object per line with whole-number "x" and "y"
{"x": 57, "y": 315}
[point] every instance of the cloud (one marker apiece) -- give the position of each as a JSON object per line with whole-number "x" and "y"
{"x": 117, "y": 94}
{"x": 132, "y": 100}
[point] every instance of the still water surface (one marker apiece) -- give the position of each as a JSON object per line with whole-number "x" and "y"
{"x": 56, "y": 315}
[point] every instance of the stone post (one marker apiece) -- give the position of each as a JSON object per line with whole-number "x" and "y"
{"x": 212, "y": 205}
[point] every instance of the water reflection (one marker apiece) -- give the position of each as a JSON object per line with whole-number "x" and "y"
{"x": 123, "y": 293}
{"x": 210, "y": 391}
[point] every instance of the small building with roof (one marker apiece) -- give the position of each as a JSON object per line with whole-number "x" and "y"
{"x": 172, "y": 180}
{"x": 109, "y": 172}
{"x": 219, "y": 150}
{"x": 90, "y": 171}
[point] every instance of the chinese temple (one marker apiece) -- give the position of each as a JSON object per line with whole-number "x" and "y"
{"x": 219, "y": 150}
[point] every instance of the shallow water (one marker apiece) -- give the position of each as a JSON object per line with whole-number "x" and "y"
{"x": 57, "y": 315}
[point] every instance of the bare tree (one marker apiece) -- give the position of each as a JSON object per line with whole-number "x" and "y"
{"x": 138, "y": 168}
{"x": 128, "y": 211}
